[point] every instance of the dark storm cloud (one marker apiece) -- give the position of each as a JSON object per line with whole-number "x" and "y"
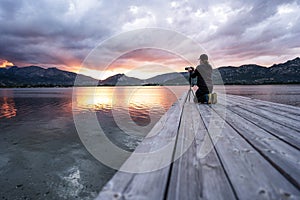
{"x": 36, "y": 31}
{"x": 258, "y": 12}
{"x": 257, "y": 29}
{"x": 63, "y": 32}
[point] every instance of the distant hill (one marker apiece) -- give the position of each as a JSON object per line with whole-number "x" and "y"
{"x": 35, "y": 76}
{"x": 245, "y": 74}
{"x": 162, "y": 77}
{"x": 121, "y": 79}
{"x": 285, "y": 73}
{"x": 173, "y": 78}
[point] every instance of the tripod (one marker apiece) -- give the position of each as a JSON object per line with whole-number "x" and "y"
{"x": 191, "y": 91}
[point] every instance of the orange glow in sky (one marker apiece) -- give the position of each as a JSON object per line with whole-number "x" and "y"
{"x": 146, "y": 63}
{"x": 5, "y": 63}
{"x": 141, "y": 63}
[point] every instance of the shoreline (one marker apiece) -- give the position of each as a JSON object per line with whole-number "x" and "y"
{"x": 154, "y": 85}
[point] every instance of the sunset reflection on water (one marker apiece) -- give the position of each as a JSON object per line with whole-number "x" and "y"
{"x": 146, "y": 102}
{"x": 124, "y": 97}
{"x": 129, "y": 106}
{"x": 7, "y": 108}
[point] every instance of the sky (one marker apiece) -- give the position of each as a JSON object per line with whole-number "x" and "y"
{"x": 63, "y": 33}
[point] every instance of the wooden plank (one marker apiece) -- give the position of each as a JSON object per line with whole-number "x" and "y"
{"x": 288, "y": 122}
{"x": 251, "y": 175}
{"x": 196, "y": 175}
{"x": 270, "y": 103}
{"x": 291, "y": 136}
{"x": 285, "y": 112}
{"x": 281, "y": 155}
{"x": 150, "y": 185}
{"x": 288, "y": 109}
{"x": 276, "y": 108}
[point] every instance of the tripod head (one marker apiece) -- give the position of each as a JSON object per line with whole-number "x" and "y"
{"x": 190, "y": 70}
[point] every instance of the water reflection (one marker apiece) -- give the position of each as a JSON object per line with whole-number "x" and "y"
{"x": 7, "y": 108}
{"x": 87, "y": 99}
{"x": 125, "y": 114}
{"x": 135, "y": 104}
{"x": 145, "y": 104}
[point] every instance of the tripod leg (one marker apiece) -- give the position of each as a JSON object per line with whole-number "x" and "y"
{"x": 191, "y": 95}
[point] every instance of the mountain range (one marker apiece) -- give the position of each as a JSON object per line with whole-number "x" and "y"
{"x": 284, "y": 73}
{"x": 35, "y": 76}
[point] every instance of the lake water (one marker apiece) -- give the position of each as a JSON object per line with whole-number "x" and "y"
{"x": 42, "y": 156}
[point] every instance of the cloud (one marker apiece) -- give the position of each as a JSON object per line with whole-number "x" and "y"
{"x": 49, "y": 32}
{"x": 63, "y": 32}
{"x": 265, "y": 35}
{"x": 149, "y": 56}
{"x": 138, "y": 17}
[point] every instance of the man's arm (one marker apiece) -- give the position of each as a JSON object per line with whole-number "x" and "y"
{"x": 195, "y": 73}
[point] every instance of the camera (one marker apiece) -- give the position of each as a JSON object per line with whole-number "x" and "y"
{"x": 189, "y": 68}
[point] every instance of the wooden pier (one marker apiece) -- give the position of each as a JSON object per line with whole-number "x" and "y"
{"x": 239, "y": 148}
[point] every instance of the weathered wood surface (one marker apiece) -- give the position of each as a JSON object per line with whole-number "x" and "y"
{"x": 283, "y": 132}
{"x": 239, "y": 148}
{"x": 198, "y": 174}
{"x": 150, "y": 185}
{"x": 290, "y": 119}
{"x": 291, "y": 136}
{"x": 271, "y": 106}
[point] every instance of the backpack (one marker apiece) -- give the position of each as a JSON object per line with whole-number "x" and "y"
{"x": 210, "y": 98}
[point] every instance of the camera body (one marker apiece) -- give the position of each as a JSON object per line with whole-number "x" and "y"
{"x": 189, "y": 68}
